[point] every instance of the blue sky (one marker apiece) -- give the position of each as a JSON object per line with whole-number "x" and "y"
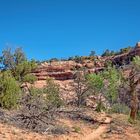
{"x": 62, "y": 28}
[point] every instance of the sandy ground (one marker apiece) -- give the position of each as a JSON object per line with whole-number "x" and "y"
{"x": 87, "y": 132}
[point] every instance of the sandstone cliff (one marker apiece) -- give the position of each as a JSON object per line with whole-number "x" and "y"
{"x": 64, "y": 70}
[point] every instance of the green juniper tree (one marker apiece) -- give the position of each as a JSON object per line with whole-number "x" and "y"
{"x": 16, "y": 71}
{"x": 105, "y": 84}
{"x": 9, "y": 90}
{"x": 52, "y": 92}
{"x": 96, "y": 83}
{"x": 18, "y": 64}
{"x": 112, "y": 79}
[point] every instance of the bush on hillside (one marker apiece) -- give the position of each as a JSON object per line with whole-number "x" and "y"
{"x": 39, "y": 107}
{"x": 52, "y": 93}
{"x": 30, "y": 78}
{"x": 9, "y": 90}
{"x": 120, "y": 108}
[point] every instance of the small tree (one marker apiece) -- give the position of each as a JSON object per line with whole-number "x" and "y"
{"x": 131, "y": 82}
{"x": 81, "y": 87}
{"x": 106, "y": 53}
{"x": 17, "y": 63}
{"x": 7, "y": 59}
{"x": 19, "y": 56}
{"x": 125, "y": 50}
{"x": 9, "y": 90}
{"x": 96, "y": 83}
{"x": 24, "y": 69}
{"x": 52, "y": 93}
{"x": 92, "y": 53}
{"x": 77, "y": 59}
{"x": 39, "y": 107}
{"x": 105, "y": 84}
{"x": 134, "y": 80}
{"x": 113, "y": 79}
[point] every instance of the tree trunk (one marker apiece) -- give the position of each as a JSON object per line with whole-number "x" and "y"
{"x": 134, "y": 97}
{"x": 134, "y": 106}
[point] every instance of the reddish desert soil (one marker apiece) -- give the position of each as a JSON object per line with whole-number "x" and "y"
{"x": 87, "y": 131}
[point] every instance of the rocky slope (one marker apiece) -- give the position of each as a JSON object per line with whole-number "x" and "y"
{"x": 64, "y": 70}
{"x": 105, "y": 127}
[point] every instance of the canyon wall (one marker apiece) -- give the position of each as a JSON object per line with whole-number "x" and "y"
{"x": 65, "y": 70}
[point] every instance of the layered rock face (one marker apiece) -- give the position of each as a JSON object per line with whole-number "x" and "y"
{"x": 65, "y": 70}
{"x": 57, "y": 73}
{"x": 56, "y": 70}
{"x": 126, "y": 58}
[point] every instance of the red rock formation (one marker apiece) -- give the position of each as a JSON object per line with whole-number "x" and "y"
{"x": 126, "y": 58}
{"x": 56, "y": 72}
{"x": 64, "y": 70}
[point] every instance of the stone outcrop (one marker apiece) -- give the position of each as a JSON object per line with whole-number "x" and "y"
{"x": 56, "y": 72}
{"x": 126, "y": 58}
{"x": 64, "y": 70}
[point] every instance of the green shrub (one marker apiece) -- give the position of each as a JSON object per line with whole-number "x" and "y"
{"x": 76, "y": 129}
{"x": 119, "y": 108}
{"x": 138, "y": 115}
{"x": 39, "y": 108}
{"x": 100, "y": 106}
{"x": 22, "y": 71}
{"x": 29, "y": 78}
{"x": 113, "y": 82}
{"x": 52, "y": 94}
{"x": 9, "y": 91}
